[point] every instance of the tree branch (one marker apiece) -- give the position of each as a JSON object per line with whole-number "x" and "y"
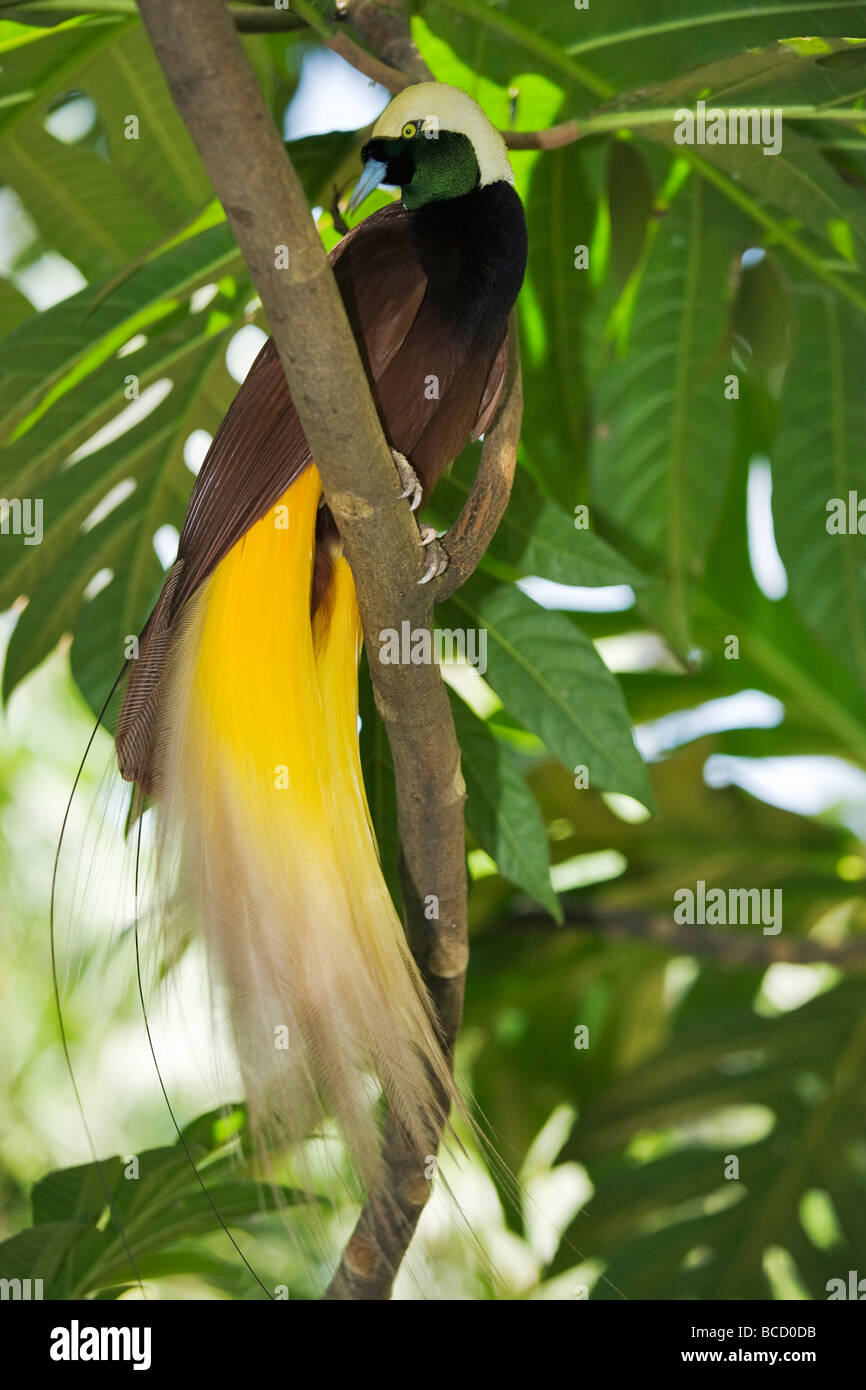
{"x": 370, "y": 66}
{"x": 384, "y": 27}
{"x": 259, "y": 19}
{"x": 471, "y": 534}
{"x": 726, "y": 947}
{"x": 553, "y": 138}
{"x": 220, "y": 102}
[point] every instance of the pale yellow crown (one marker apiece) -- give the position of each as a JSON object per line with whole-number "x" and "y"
{"x": 441, "y": 107}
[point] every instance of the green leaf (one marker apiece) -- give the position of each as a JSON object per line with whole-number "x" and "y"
{"x": 550, "y": 677}
{"x": 148, "y": 458}
{"x": 378, "y": 770}
{"x": 77, "y": 1251}
{"x": 55, "y": 350}
{"x": 116, "y": 191}
{"x": 561, "y": 212}
{"x": 621, "y": 42}
{"x": 664, "y": 430}
{"x": 819, "y": 457}
{"x": 630, "y": 197}
{"x": 535, "y": 536}
{"x": 14, "y": 308}
{"x": 501, "y": 812}
{"x": 805, "y": 1068}
{"x": 76, "y": 1194}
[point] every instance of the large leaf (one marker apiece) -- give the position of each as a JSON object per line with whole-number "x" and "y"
{"x": 617, "y": 43}
{"x": 83, "y": 533}
{"x": 819, "y": 457}
{"x": 87, "y": 1220}
{"x": 54, "y": 351}
{"x": 500, "y": 809}
{"x": 536, "y": 536}
{"x": 664, "y": 429}
{"x": 561, "y": 211}
{"x": 673, "y": 1226}
{"x": 107, "y": 196}
{"x": 378, "y": 769}
{"x": 550, "y": 677}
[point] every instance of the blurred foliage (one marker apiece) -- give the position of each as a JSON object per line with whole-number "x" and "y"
{"x": 708, "y": 1141}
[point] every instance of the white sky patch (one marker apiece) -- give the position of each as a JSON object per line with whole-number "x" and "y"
{"x": 243, "y": 350}
{"x": 352, "y": 99}
{"x": 609, "y": 598}
{"x": 626, "y": 808}
{"x": 634, "y": 651}
{"x": 786, "y": 986}
{"x": 138, "y": 340}
{"x": 201, "y": 298}
{"x": 17, "y": 228}
{"x": 748, "y": 709}
{"x": 150, "y": 398}
{"x": 472, "y": 687}
{"x": 109, "y": 503}
{"x": 49, "y": 279}
{"x": 165, "y": 542}
{"x": 752, "y": 257}
{"x": 810, "y": 786}
{"x": 764, "y": 557}
{"x": 73, "y": 120}
{"x": 100, "y": 581}
{"x": 583, "y": 869}
{"x": 195, "y": 449}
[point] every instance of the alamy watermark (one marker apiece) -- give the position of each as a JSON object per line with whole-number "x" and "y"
{"x": 25, "y": 1290}
{"x": 718, "y": 125}
{"x": 22, "y": 516}
{"x": 77, "y": 1343}
{"x": 731, "y": 907}
{"x": 420, "y": 647}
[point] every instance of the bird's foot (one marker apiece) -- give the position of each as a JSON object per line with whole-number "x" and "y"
{"x": 409, "y": 478}
{"x": 437, "y": 556}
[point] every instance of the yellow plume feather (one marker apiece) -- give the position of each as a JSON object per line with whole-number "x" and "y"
{"x": 259, "y": 772}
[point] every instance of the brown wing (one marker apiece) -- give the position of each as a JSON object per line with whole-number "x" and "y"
{"x": 259, "y": 449}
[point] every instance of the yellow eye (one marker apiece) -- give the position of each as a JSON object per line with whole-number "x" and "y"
{"x": 409, "y": 130}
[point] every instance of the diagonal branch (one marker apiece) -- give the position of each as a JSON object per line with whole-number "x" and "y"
{"x": 471, "y": 534}
{"x": 384, "y": 27}
{"x": 220, "y": 101}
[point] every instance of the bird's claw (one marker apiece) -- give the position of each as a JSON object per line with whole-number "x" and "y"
{"x": 409, "y": 478}
{"x": 437, "y": 559}
{"x": 437, "y": 556}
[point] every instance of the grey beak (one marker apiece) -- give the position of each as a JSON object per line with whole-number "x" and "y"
{"x": 374, "y": 172}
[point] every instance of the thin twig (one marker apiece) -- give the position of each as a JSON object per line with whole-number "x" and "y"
{"x": 265, "y": 19}
{"x": 220, "y": 102}
{"x": 367, "y": 63}
{"x": 384, "y": 27}
{"x": 553, "y": 138}
{"x": 727, "y": 946}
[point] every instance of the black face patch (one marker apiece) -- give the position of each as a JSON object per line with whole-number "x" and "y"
{"x": 397, "y": 157}
{"x": 429, "y": 166}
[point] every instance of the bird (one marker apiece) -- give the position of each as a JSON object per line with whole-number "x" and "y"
{"x": 239, "y": 720}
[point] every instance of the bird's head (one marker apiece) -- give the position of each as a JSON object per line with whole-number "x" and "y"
{"x": 435, "y": 143}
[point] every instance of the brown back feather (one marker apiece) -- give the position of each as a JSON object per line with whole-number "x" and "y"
{"x": 260, "y": 448}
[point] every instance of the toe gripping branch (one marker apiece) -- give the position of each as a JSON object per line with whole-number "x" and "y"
{"x": 450, "y": 565}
